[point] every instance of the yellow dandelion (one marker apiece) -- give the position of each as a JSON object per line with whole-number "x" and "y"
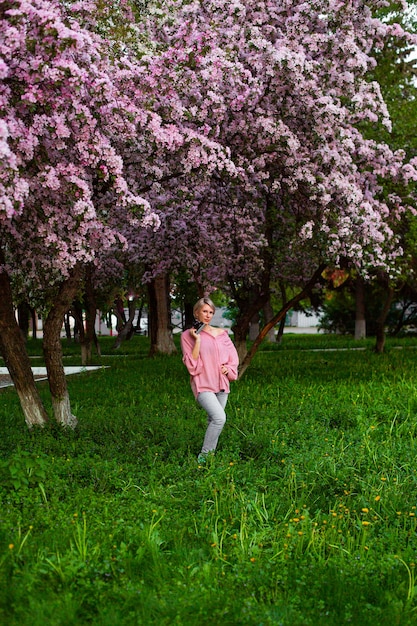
{"x": 365, "y": 510}
{"x": 11, "y": 546}
{"x": 252, "y": 559}
{"x": 365, "y": 523}
{"x": 377, "y": 498}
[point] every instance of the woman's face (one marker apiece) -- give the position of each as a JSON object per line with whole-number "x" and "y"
{"x": 205, "y": 314}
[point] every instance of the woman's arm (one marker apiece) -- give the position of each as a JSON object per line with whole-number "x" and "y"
{"x": 191, "y": 353}
{"x": 231, "y": 363}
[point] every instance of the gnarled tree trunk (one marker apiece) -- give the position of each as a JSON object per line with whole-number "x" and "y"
{"x": 159, "y": 317}
{"x": 13, "y": 350}
{"x": 52, "y": 349}
{"x": 278, "y": 317}
{"x": 250, "y": 302}
{"x": 127, "y": 331}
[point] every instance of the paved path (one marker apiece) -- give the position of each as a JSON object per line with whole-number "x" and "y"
{"x": 40, "y": 373}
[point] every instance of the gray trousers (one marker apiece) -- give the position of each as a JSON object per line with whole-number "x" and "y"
{"x": 214, "y": 405}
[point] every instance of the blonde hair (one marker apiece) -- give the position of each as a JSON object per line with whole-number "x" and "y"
{"x": 200, "y": 303}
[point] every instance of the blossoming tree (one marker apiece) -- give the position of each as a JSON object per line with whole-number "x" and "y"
{"x": 61, "y": 178}
{"x": 285, "y": 87}
{"x": 79, "y": 141}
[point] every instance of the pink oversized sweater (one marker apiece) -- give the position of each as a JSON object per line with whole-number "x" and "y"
{"x": 215, "y": 351}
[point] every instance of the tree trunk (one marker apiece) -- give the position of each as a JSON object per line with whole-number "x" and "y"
{"x": 13, "y": 350}
{"x": 251, "y": 299}
{"x": 360, "y": 320}
{"x": 281, "y": 328}
{"x": 240, "y": 341}
{"x": 77, "y": 313}
{"x": 380, "y": 322}
{"x": 67, "y": 326}
{"x": 188, "y": 317}
{"x": 278, "y": 317}
{"x": 159, "y": 317}
{"x": 268, "y": 315}
{"x": 88, "y": 335}
{"x": 254, "y": 327}
{"x": 23, "y": 315}
{"x": 34, "y": 317}
{"x": 119, "y": 311}
{"x": 52, "y": 349}
{"x": 249, "y": 303}
{"x": 90, "y": 321}
{"x": 127, "y": 330}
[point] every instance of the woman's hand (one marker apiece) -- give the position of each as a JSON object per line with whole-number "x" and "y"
{"x": 225, "y": 371}
{"x": 196, "y": 350}
{"x": 193, "y": 333}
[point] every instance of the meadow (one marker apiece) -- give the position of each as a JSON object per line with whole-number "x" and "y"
{"x": 306, "y": 516}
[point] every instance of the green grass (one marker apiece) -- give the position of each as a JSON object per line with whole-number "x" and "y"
{"x": 306, "y": 516}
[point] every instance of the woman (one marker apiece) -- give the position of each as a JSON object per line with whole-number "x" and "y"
{"x": 212, "y": 361}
